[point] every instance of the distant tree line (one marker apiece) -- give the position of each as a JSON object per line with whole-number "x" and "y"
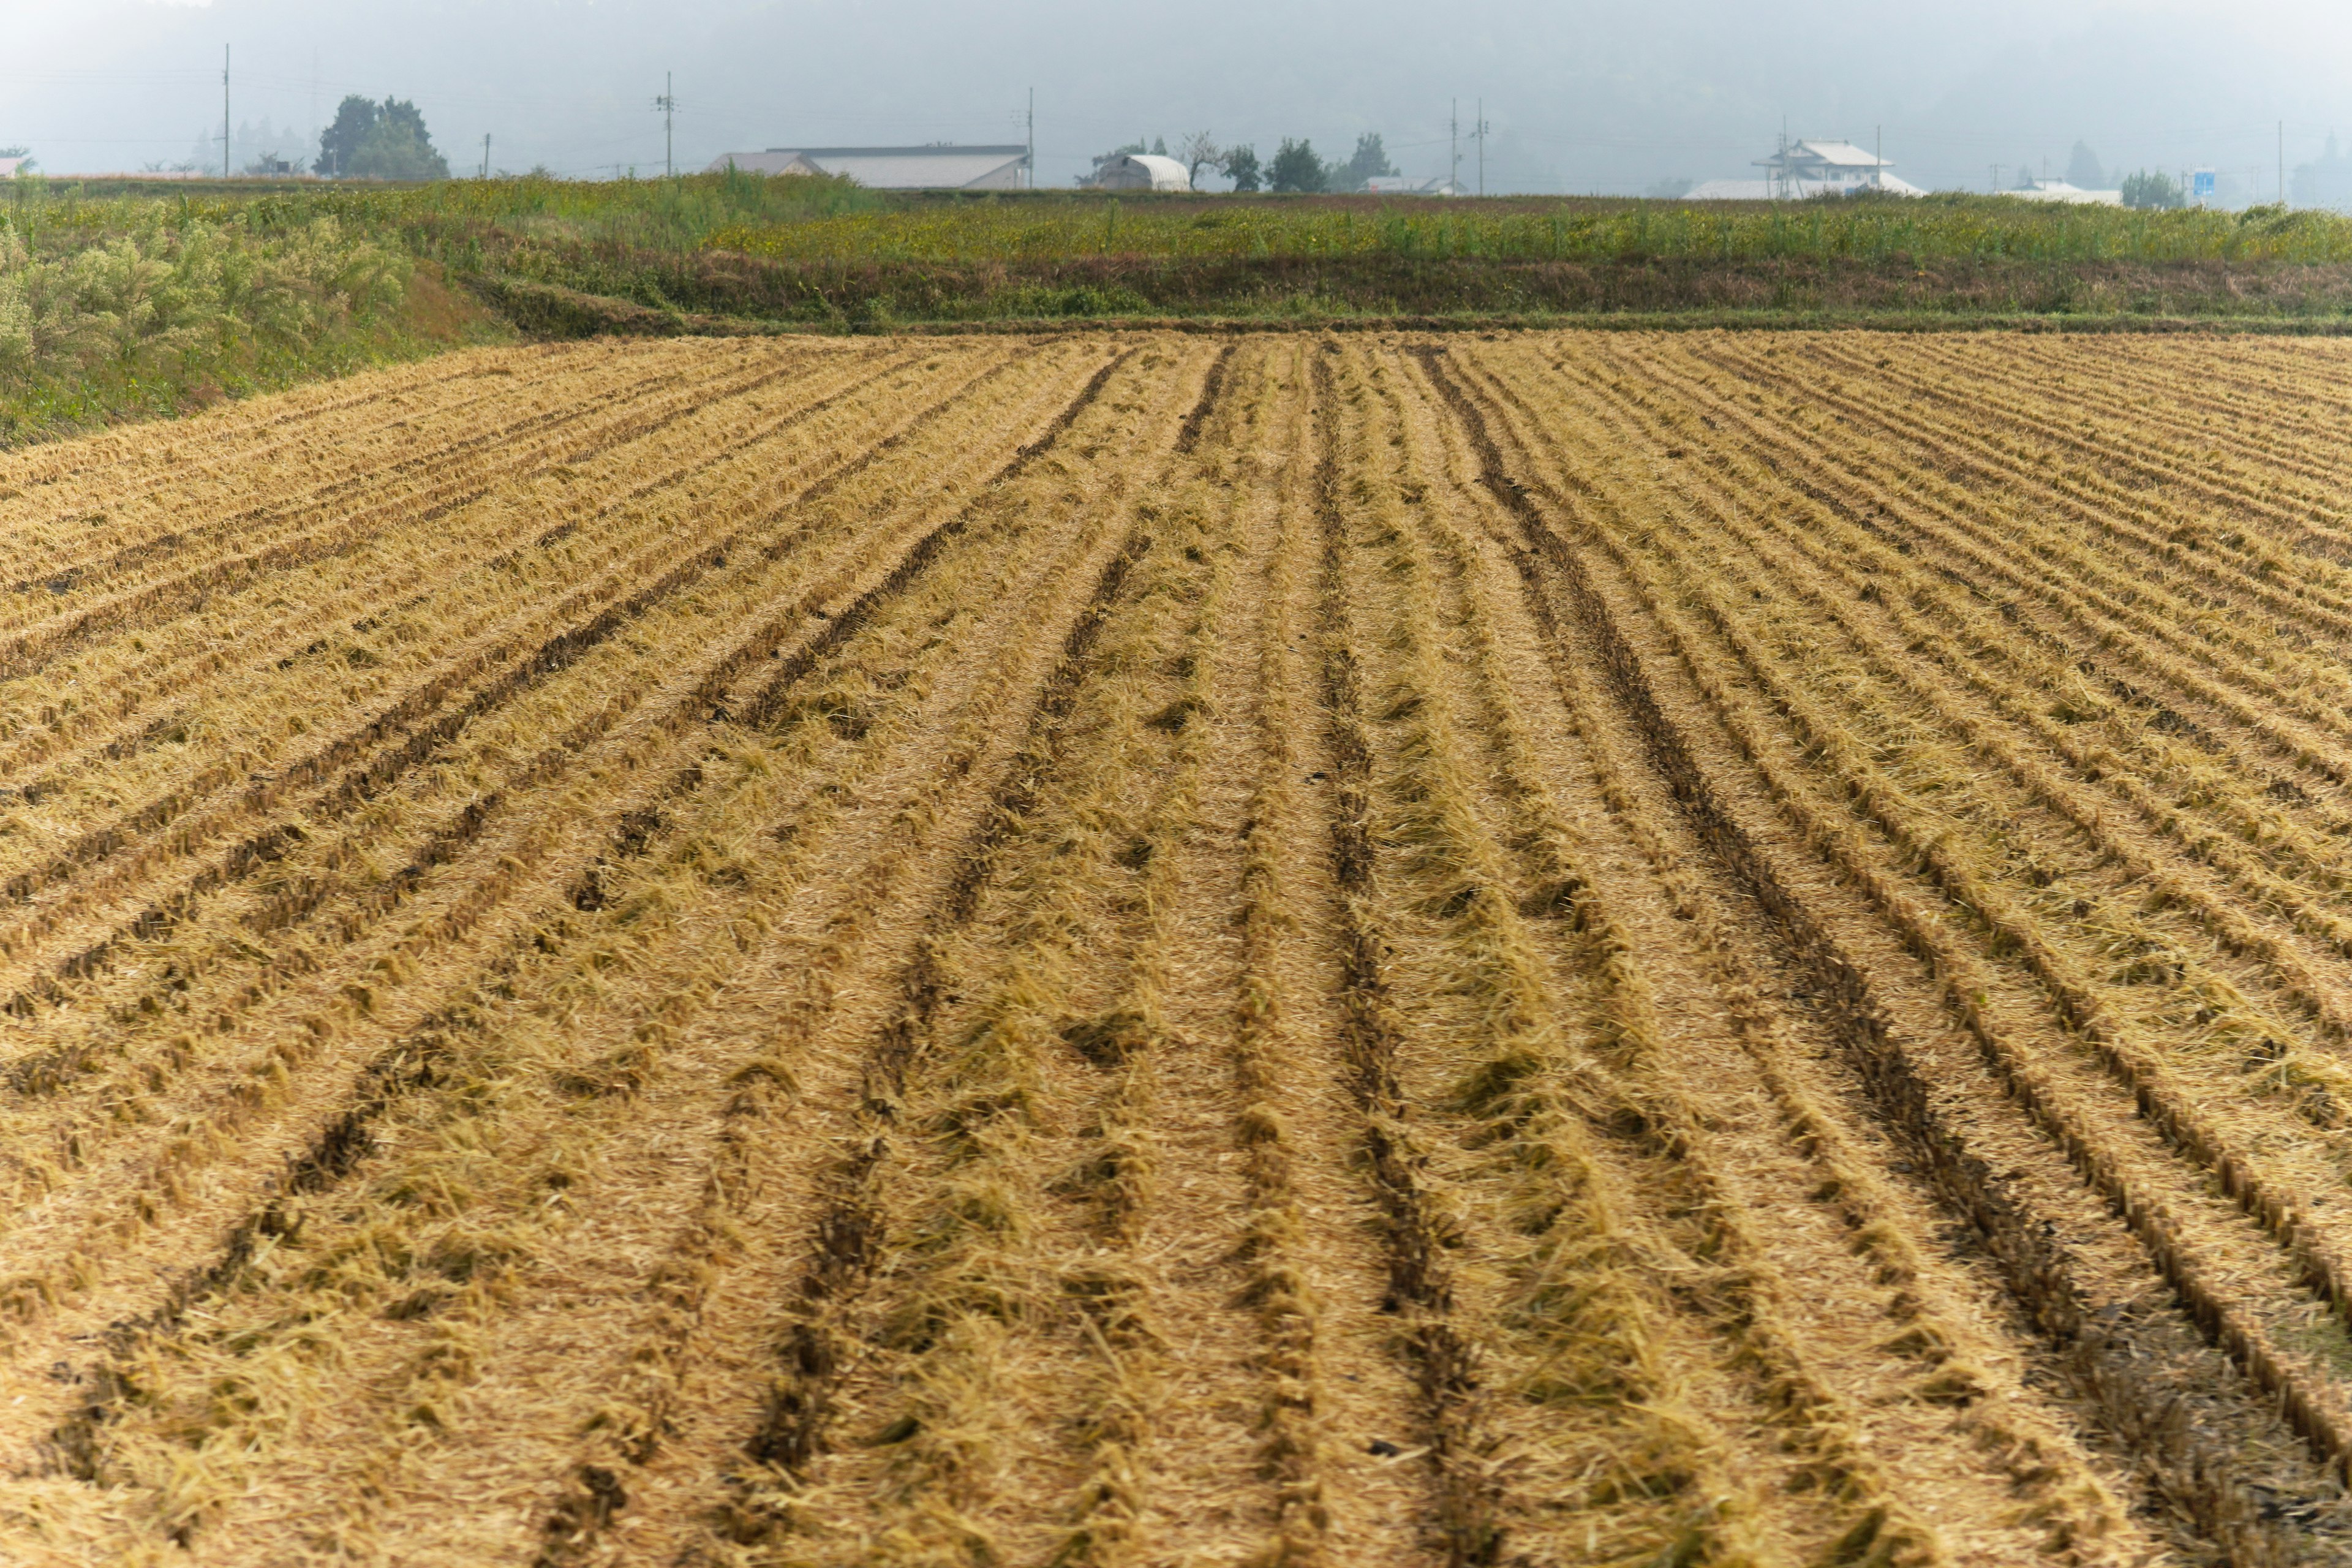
{"x": 1295, "y": 167}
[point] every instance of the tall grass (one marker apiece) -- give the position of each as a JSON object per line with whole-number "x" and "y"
{"x": 125, "y": 307}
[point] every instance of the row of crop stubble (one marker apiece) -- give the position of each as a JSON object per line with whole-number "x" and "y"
{"x": 1145, "y": 949}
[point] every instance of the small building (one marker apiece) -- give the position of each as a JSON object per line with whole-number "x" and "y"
{"x": 9, "y": 167}
{"x": 940, "y": 167}
{"x": 1405, "y": 185}
{"x": 2071, "y": 195}
{"x": 1140, "y": 172}
{"x": 1813, "y": 168}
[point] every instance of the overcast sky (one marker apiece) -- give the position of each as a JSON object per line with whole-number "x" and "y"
{"x": 1579, "y": 96}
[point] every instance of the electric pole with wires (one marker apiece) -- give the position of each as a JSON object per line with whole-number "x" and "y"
{"x": 1479, "y": 131}
{"x": 225, "y": 141}
{"x": 667, "y": 104}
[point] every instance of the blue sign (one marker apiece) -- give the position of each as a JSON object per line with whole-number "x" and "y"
{"x": 2200, "y": 185}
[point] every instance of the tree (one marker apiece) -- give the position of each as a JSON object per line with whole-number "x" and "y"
{"x": 1296, "y": 168}
{"x": 1240, "y": 164}
{"x": 379, "y": 142}
{"x": 1159, "y": 147}
{"x": 1200, "y": 152}
{"x": 399, "y": 148}
{"x": 2157, "y": 190}
{"x": 2082, "y": 170}
{"x": 340, "y": 144}
{"x": 1370, "y": 161}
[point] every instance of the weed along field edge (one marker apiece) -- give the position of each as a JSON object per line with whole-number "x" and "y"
{"x": 1117, "y": 947}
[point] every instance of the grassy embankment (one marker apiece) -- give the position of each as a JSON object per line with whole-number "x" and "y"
{"x": 128, "y": 298}
{"x": 126, "y": 305}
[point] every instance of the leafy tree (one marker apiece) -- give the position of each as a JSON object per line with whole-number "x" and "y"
{"x": 1370, "y": 161}
{"x": 1158, "y": 146}
{"x": 1296, "y": 168}
{"x": 2082, "y": 168}
{"x": 379, "y": 142}
{"x": 399, "y": 148}
{"x": 1201, "y": 151}
{"x": 2153, "y": 190}
{"x": 1241, "y": 166}
{"x": 340, "y": 144}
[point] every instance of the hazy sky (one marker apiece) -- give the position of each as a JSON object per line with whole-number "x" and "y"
{"x": 1580, "y": 96}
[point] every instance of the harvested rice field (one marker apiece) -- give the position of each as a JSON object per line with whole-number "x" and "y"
{"x": 1128, "y": 949}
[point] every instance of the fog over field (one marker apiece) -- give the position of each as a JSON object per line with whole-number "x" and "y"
{"x": 1579, "y": 97}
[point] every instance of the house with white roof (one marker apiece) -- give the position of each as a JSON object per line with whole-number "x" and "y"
{"x": 9, "y": 167}
{"x": 940, "y": 167}
{"x": 1808, "y": 168}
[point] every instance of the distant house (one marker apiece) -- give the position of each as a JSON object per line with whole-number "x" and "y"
{"x": 942, "y": 166}
{"x": 1140, "y": 172}
{"x": 1808, "y": 168}
{"x": 8, "y": 167}
{"x": 2072, "y": 195}
{"x": 1403, "y": 185}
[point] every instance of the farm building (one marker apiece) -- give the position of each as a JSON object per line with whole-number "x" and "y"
{"x": 940, "y": 167}
{"x": 1808, "y": 168}
{"x": 8, "y": 167}
{"x": 1141, "y": 171}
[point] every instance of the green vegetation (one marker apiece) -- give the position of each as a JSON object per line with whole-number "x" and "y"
{"x": 2153, "y": 190}
{"x": 134, "y": 307}
{"x": 132, "y": 297}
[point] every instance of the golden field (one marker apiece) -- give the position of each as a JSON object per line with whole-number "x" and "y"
{"x": 1176, "y": 948}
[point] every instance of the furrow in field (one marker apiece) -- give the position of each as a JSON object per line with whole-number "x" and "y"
{"x": 910, "y": 1248}
{"x": 2126, "y": 443}
{"x": 633, "y": 1080}
{"x": 74, "y": 540}
{"x": 2173, "y": 1070}
{"x": 647, "y": 733}
{"x": 2050, "y": 598}
{"x": 522, "y": 645}
{"x": 2086, "y": 1283}
{"x": 525, "y": 507}
{"x": 125, "y": 461}
{"x": 1854, "y": 1318}
{"x": 240, "y": 565}
{"x": 281, "y": 849}
{"x": 2295, "y": 827}
{"x": 2140, "y": 563}
{"x": 99, "y": 705}
{"x": 1486, "y": 852}
{"x": 2179, "y": 402}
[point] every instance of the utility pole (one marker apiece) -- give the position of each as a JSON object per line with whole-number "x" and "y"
{"x": 224, "y": 142}
{"x": 1453, "y": 146}
{"x": 1996, "y": 179}
{"x": 1878, "y": 150}
{"x": 1029, "y": 164}
{"x": 1482, "y": 146}
{"x": 2281, "y": 152}
{"x": 485, "y": 155}
{"x": 667, "y": 104}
